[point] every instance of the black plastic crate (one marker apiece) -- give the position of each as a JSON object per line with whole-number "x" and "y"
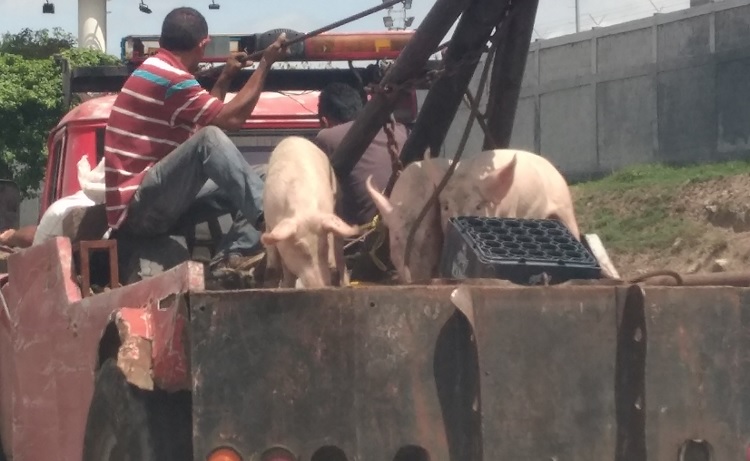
{"x": 518, "y": 250}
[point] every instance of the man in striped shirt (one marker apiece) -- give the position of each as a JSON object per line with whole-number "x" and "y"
{"x": 166, "y": 155}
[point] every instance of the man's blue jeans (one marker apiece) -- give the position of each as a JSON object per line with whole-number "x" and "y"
{"x": 204, "y": 177}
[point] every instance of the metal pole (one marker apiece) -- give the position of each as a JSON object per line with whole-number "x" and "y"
{"x": 578, "y": 16}
{"x": 507, "y": 73}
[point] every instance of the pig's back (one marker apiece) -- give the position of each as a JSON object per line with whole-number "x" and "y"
{"x": 299, "y": 177}
{"x": 538, "y": 185}
{"x": 415, "y": 185}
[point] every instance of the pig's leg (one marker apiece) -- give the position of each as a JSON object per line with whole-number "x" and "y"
{"x": 273, "y": 268}
{"x": 338, "y": 256}
{"x": 289, "y": 279}
{"x": 568, "y": 218}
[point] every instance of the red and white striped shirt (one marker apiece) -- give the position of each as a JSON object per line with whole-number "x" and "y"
{"x": 157, "y": 109}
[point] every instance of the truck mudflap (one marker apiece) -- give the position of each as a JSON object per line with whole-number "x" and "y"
{"x": 473, "y": 373}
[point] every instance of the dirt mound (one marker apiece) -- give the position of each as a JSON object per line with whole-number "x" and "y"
{"x": 690, "y": 226}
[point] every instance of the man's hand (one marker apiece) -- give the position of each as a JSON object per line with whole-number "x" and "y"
{"x": 235, "y": 63}
{"x": 277, "y": 50}
{"x": 6, "y": 237}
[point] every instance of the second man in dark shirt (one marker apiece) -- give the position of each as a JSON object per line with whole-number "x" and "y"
{"x": 338, "y": 106}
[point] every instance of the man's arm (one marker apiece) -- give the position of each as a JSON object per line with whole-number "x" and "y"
{"x": 18, "y": 238}
{"x": 234, "y": 113}
{"x": 233, "y": 66}
{"x": 219, "y": 91}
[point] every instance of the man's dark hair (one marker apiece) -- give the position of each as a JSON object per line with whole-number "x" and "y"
{"x": 340, "y": 102}
{"x": 183, "y": 29}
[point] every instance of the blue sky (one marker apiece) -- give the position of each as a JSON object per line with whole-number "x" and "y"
{"x": 555, "y": 17}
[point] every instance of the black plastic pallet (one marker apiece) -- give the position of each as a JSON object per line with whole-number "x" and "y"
{"x": 519, "y": 250}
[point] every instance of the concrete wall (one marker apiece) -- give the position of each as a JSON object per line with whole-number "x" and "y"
{"x": 671, "y": 88}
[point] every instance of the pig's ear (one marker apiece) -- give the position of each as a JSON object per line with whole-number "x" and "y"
{"x": 282, "y": 231}
{"x": 497, "y": 184}
{"x": 332, "y": 223}
{"x": 381, "y": 201}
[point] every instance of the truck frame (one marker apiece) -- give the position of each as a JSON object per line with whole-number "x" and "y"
{"x": 164, "y": 369}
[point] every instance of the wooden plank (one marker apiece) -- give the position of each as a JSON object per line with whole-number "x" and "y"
{"x": 408, "y": 65}
{"x": 507, "y": 73}
{"x": 461, "y": 59}
{"x": 600, "y": 253}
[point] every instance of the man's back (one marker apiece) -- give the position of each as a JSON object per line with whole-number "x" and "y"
{"x": 355, "y": 203}
{"x": 156, "y": 111}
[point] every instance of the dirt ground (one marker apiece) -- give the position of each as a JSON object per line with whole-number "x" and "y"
{"x": 714, "y": 232}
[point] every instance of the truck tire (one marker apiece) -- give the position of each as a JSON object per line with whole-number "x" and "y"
{"x": 127, "y": 423}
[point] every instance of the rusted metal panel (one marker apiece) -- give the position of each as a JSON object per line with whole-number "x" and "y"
{"x": 696, "y": 370}
{"x": 547, "y": 368}
{"x": 354, "y": 368}
{"x": 49, "y": 348}
{"x": 154, "y": 351}
{"x": 373, "y": 369}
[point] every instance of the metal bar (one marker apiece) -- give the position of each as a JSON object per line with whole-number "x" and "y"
{"x": 507, "y": 73}
{"x": 408, "y": 65}
{"x": 114, "y": 270}
{"x": 85, "y": 269}
{"x": 731, "y": 279}
{"x": 481, "y": 118}
{"x": 460, "y": 63}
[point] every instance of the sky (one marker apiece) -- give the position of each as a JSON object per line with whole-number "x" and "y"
{"x": 554, "y": 18}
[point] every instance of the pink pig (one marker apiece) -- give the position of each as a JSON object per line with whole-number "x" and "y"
{"x": 507, "y": 183}
{"x": 410, "y": 193}
{"x": 304, "y": 236}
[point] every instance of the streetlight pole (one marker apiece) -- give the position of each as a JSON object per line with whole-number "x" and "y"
{"x": 92, "y": 24}
{"x": 578, "y": 16}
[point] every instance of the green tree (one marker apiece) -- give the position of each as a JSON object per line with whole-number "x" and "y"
{"x": 39, "y": 44}
{"x": 31, "y": 99}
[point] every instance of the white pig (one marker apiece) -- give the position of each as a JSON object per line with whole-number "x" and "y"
{"x": 304, "y": 236}
{"x": 507, "y": 183}
{"x": 410, "y": 193}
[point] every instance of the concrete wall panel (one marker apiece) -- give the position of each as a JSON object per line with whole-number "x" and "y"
{"x": 680, "y": 39}
{"x": 530, "y": 73}
{"x": 732, "y": 28}
{"x": 733, "y": 116}
{"x": 565, "y": 61}
{"x": 687, "y": 114}
{"x": 568, "y": 136}
{"x": 624, "y": 50}
{"x": 524, "y": 125}
{"x": 626, "y": 111}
